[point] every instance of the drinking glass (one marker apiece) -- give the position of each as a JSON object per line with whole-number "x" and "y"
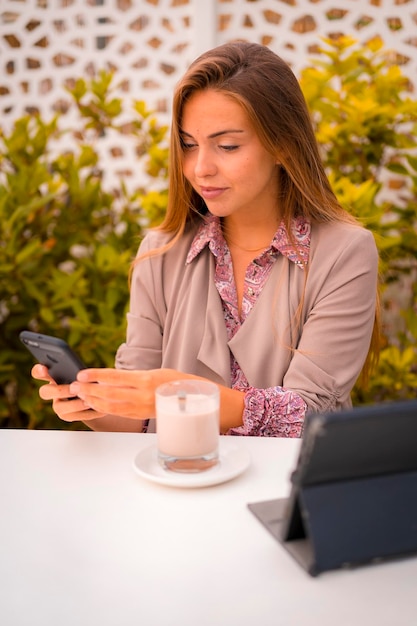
{"x": 187, "y": 425}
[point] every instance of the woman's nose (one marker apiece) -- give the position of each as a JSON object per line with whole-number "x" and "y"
{"x": 204, "y": 164}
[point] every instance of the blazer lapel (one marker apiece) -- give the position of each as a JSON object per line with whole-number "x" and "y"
{"x": 214, "y": 351}
{"x": 267, "y": 329}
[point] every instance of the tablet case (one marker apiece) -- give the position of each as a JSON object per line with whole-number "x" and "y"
{"x": 353, "y": 496}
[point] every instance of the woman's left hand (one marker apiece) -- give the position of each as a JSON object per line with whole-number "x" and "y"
{"x": 122, "y": 392}
{"x": 130, "y": 394}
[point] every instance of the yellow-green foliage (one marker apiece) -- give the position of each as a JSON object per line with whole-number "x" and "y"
{"x": 65, "y": 251}
{"x": 366, "y": 124}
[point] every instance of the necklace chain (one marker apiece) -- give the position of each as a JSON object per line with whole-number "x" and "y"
{"x": 233, "y": 243}
{"x": 230, "y": 242}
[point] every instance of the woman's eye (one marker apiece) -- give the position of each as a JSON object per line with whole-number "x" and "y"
{"x": 229, "y": 148}
{"x": 187, "y": 145}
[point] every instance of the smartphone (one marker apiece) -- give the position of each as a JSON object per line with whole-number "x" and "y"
{"x": 63, "y": 364}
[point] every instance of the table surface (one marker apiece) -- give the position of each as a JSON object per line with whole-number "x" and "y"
{"x": 85, "y": 540}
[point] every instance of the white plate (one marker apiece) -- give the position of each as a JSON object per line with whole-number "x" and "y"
{"x": 234, "y": 458}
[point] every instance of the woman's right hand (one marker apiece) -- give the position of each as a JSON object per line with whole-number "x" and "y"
{"x": 68, "y": 407}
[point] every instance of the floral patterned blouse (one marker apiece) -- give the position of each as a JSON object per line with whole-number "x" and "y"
{"x": 276, "y": 411}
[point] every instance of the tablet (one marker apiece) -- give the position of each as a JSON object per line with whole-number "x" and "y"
{"x": 353, "y": 492}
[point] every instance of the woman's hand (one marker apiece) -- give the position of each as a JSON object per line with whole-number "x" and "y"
{"x": 127, "y": 393}
{"x": 131, "y": 393}
{"x": 65, "y": 404}
{"x": 115, "y": 399}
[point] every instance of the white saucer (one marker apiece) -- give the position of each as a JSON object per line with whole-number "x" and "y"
{"x": 234, "y": 458}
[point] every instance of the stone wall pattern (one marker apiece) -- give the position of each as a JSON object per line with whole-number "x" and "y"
{"x": 46, "y": 44}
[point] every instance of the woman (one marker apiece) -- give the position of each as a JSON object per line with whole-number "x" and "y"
{"x": 257, "y": 279}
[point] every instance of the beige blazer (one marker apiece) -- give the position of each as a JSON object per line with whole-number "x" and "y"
{"x": 176, "y": 318}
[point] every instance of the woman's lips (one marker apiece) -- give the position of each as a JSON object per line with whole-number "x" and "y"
{"x": 210, "y": 193}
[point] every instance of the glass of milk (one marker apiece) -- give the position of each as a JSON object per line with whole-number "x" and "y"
{"x": 187, "y": 425}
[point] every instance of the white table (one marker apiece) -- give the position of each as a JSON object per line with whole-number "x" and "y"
{"x": 86, "y": 541}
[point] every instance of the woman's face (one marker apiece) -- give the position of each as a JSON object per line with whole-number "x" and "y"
{"x": 224, "y": 160}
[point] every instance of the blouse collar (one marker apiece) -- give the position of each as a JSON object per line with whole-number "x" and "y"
{"x": 210, "y": 234}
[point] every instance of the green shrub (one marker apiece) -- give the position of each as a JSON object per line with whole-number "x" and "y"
{"x": 366, "y": 124}
{"x": 65, "y": 243}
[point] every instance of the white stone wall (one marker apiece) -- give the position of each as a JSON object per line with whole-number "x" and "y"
{"x": 46, "y": 43}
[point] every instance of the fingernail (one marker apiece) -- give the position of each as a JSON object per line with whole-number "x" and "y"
{"x": 74, "y": 388}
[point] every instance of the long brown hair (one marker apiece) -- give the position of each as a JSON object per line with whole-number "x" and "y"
{"x": 268, "y": 91}
{"x": 266, "y": 88}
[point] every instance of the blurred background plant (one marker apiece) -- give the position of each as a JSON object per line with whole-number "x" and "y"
{"x": 66, "y": 242}
{"x": 366, "y": 124}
